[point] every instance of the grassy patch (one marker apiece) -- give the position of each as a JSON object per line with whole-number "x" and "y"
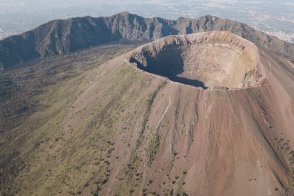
{"x": 8, "y": 87}
{"x": 153, "y": 147}
{"x": 57, "y": 160}
{"x": 150, "y": 101}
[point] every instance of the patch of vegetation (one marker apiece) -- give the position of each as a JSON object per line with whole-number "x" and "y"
{"x": 153, "y": 147}
{"x": 8, "y": 87}
{"x": 153, "y": 95}
{"x": 150, "y": 101}
{"x": 284, "y": 149}
{"x": 41, "y": 137}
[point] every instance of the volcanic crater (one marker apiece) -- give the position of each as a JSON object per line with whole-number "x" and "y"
{"x": 209, "y": 60}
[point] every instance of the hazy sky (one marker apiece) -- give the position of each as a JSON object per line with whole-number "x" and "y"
{"x": 21, "y": 15}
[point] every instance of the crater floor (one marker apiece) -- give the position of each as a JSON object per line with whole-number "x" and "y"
{"x": 217, "y": 59}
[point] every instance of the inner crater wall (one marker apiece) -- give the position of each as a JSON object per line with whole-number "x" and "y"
{"x": 207, "y": 60}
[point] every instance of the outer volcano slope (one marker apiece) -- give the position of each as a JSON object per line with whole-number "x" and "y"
{"x": 129, "y": 132}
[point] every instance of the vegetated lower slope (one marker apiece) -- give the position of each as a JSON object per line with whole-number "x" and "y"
{"x": 66, "y": 36}
{"x": 35, "y": 98}
{"x": 116, "y": 129}
{"x": 19, "y": 87}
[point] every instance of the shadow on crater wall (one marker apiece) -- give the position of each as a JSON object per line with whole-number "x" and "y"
{"x": 168, "y": 64}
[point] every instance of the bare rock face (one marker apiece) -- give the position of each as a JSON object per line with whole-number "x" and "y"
{"x": 208, "y": 60}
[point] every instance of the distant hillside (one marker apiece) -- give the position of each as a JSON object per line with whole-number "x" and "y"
{"x": 65, "y": 36}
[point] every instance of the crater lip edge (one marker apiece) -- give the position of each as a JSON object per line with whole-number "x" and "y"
{"x": 216, "y": 60}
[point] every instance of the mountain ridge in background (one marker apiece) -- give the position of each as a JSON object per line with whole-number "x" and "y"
{"x": 59, "y": 37}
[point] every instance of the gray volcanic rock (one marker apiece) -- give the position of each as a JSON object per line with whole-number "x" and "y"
{"x": 65, "y": 36}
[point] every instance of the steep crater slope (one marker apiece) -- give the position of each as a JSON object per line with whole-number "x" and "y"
{"x": 208, "y": 60}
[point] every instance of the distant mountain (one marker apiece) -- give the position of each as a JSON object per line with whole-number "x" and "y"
{"x": 65, "y": 36}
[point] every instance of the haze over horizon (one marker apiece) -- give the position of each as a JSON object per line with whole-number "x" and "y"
{"x": 273, "y": 17}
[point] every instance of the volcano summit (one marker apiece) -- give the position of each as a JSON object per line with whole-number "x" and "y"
{"x": 209, "y": 60}
{"x": 201, "y": 107}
